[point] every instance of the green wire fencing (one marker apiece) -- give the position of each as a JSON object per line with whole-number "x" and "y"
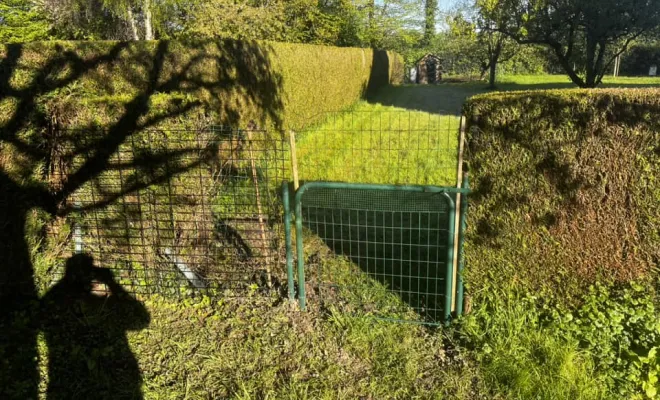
{"x": 180, "y": 211}
{"x": 378, "y": 216}
{"x": 380, "y": 147}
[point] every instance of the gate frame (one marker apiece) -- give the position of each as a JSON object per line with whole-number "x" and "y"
{"x": 450, "y": 295}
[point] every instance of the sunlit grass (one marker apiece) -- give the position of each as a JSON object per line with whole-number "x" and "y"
{"x": 379, "y": 144}
{"x": 518, "y": 82}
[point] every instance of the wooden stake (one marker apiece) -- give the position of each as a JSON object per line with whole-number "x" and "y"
{"x": 294, "y": 160}
{"x": 262, "y": 225}
{"x": 457, "y": 220}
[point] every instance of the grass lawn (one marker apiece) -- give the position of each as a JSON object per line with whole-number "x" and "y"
{"x": 528, "y": 82}
{"x": 448, "y": 98}
{"x": 373, "y": 143}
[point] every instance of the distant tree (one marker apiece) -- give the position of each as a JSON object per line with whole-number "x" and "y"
{"x": 23, "y": 21}
{"x": 430, "y": 11}
{"x": 467, "y": 48}
{"x": 595, "y": 30}
{"x": 459, "y": 46}
{"x": 118, "y": 19}
{"x": 496, "y": 45}
{"x": 300, "y": 21}
{"x": 395, "y": 19}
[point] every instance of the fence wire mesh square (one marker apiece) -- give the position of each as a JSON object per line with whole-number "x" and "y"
{"x": 388, "y": 147}
{"x": 176, "y": 211}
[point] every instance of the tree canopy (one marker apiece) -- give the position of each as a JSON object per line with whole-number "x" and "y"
{"x": 382, "y": 24}
{"x": 22, "y": 21}
{"x": 585, "y": 36}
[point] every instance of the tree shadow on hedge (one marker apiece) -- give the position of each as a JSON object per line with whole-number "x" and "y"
{"x": 30, "y": 135}
{"x": 581, "y": 162}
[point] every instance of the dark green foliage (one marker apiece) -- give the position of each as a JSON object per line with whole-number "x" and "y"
{"x": 22, "y": 21}
{"x": 519, "y": 356}
{"x": 638, "y": 60}
{"x": 620, "y": 328}
{"x": 585, "y": 33}
{"x": 526, "y": 344}
{"x": 566, "y": 188}
{"x": 430, "y": 10}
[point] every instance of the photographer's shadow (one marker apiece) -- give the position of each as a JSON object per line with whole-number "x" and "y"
{"x": 85, "y": 317}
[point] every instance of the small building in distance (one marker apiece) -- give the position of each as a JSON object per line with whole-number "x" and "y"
{"x": 429, "y": 70}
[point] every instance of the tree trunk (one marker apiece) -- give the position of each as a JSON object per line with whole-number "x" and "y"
{"x": 494, "y": 59}
{"x": 599, "y": 67}
{"x": 493, "y": 72}
{"x": 590, "y": 79}
{"x": 484, "y": 69}
{"x": 133, "y": 24}
{"x": 566, "y": 65}
{"x": 148, "y": 29}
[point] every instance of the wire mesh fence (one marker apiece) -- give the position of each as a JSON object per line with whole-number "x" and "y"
{"x": 190, "y": 210}
{"x": 377, "y": 201}
{"x": 382, "y": 147}
{"x": 400, "y": 237}
{"x": 181, "y": 210}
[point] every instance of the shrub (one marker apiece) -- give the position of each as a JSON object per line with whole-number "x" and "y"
{"x": 566, "y": 188}
{"x": 620, "y": 328}
{"x": 639, "y": 59}
{"x": 276, "y": 83}
{"x": 531, "y": 347}
{"x": 520, "y": 358}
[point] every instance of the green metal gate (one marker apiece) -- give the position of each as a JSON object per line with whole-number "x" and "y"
{"x": 401, "y": 237}
{"x": 377, "y": 215}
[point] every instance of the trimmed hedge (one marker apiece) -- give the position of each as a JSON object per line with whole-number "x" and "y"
{"x": 50, "y": 86}
{"x": 54, "y": 92}
{"x": 275, "y": 83}
{"x": 566, "y": 187}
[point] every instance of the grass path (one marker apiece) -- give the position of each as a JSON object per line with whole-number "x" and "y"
{"x": 373, "y": 143}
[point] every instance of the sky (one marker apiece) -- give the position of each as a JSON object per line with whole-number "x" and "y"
{"x": 446, "y": 5}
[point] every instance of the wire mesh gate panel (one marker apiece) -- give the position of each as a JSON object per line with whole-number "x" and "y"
{"x": 399, "y": 236}
{"x": 181, "y": 210}
{"x": 356, "y": 198}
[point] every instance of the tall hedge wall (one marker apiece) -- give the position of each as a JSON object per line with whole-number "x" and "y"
{"x": 567, "y": 187}
{"x": 60, "y": 101}
{"x": 276, "y": 83}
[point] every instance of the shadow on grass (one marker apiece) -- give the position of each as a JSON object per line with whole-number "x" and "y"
{"x": 85, "y": 317}
{"x": 444, "y": 99}
{"x": 448, "y": 98}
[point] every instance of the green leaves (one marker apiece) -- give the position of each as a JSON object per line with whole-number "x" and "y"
{"x": 22, "y": 21}
{"x": 620, "y": 329}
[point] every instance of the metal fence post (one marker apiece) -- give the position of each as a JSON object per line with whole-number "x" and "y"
{"x": 461, "y": 251}
{"x": 299, "y": 249}
{"x": 449, "y": 281}
{"x": 287, "y": 234}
